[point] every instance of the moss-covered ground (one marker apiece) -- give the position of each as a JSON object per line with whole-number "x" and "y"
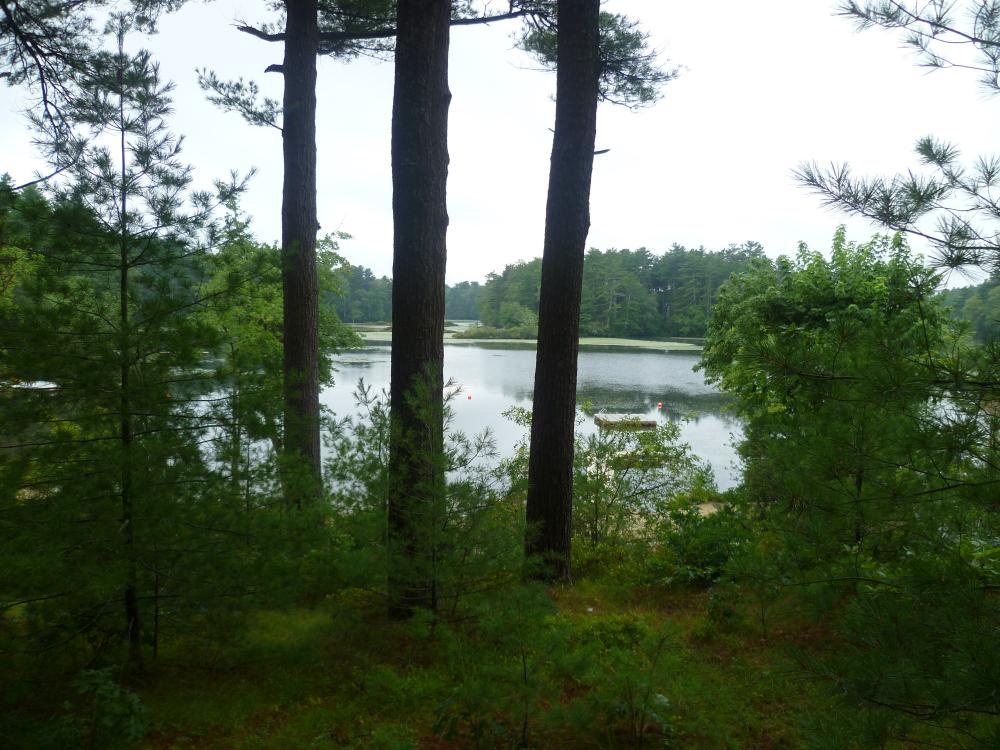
{"x": 340, "y": 676}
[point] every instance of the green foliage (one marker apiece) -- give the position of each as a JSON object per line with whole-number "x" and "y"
{"x": 932, "y": 31}
{"x": 500, "y": 700}
{"x": 244, "y": 306}
{"x": 612, "y": 664}
{"x": 626, "y": 663}
{"x": 514, "y": 321}
{"x": 515, "y": 315}
{"x": 366, "y": 298}
{"x": 645, "y": 509}
{"x": 958, "y": 198}
{"x": 947, "y": 202}
{"x": 44, "y": 45}
{"x": 140, "y": 420}
{"x": 242, "y": 97}
{"x": 339, "y": 675}
{"x": 107, "y": 489}
{"x": 696, "y": 539}
{"x": 979, "y": 306}
{"x": 864, "y": 453}
{"x": 630, "y": 73}
{"x": 102, "y": 714}
{"x": 140, "y": 400}
{"x": 471, "y": 536}
{"x": 626, "y": 293}
{"x": 623, "y": 480}
{"x": 461, "y": 300}
{"x": 518, "y": 285}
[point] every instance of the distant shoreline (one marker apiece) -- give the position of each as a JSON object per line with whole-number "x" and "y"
{"x": 383, "y": 335}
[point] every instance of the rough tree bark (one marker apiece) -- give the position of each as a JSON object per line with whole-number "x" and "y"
{"x": 300, "y": 449}
{"x": 300, "y": 328}
{"x": 567, "y": 221}
{"x": 420, "y": 221}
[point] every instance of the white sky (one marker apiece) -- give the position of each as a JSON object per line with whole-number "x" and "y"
{"x": 765, "y": 86}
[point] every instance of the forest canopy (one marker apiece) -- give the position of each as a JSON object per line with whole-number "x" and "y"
{"x": 626, "y": 293}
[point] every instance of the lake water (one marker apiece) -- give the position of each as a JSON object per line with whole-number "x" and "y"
{"x": 621, "y": 382}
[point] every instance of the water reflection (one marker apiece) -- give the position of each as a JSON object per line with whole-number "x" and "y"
{"x": 495, "y": 377}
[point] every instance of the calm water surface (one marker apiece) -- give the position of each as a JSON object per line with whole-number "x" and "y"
{"x": 633, "y": 382}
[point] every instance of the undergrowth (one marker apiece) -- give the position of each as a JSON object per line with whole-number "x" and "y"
{"x": 596, "y": 666}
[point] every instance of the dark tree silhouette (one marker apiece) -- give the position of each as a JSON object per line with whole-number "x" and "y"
{"x": 341, "y": 29}
{"x": 420, "y": 219}
{"x": 598, "y": 56}
{"x": 567, "y": 221}
{"x": 300, "y": 328}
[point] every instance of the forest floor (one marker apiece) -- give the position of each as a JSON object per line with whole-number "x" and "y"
{"x": 343, "y": 677}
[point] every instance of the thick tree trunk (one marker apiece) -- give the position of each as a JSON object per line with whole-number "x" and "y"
{"x": 567, "y": 221}
{"x": 420, "y": 217}
{"x": 302, "y": 479}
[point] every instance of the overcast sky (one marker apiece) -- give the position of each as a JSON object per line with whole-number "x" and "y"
{"x": 764, "y": 86}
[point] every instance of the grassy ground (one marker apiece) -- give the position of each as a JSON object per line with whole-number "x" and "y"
{"x": 320, "y": 679}
{"x": 340, "y": 675}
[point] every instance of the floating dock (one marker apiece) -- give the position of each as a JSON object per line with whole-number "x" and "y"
{"x": 624, "y": 421}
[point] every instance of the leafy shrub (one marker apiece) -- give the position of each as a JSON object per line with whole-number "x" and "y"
{"x": 527, "y": 675}
{"x": 626, "y": 661}
{"x": 499, "y": 699}
{"x": 624, "y": 632}
{"x": 471, "y": 535}
{"x": 102, "y": 714}
{"x": 624, "y": 478}
{"x": 695, "y": 541}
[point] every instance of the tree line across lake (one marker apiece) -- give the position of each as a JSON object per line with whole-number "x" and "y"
{"x": 626, "y": 293}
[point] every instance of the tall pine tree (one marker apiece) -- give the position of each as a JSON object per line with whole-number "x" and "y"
{"x": 101, "y": 438}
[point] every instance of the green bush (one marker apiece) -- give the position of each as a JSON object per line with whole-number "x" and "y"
{"x": 625, "y": 662}
{"x": 695, "y": 541}
{"x": 102, "y": 714}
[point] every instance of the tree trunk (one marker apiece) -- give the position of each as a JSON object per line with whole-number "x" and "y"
{"x": 567, "y": 221}
{"x": 302, "y": 478}
{"x": 133, "y": 623}
{"x": 420, "y": 222}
